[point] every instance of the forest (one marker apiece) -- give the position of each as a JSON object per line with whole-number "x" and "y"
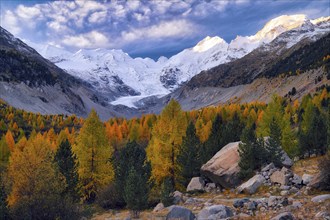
{"x": 60, "y": 166}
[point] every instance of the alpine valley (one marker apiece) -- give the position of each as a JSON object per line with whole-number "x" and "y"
{"x": 286, "y": 53}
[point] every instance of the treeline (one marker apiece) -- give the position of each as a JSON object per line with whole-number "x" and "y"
{"x": 53, "y": 165}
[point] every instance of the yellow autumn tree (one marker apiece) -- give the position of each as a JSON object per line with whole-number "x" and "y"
{"x": 94, "y": 153}
{"x": 167, "y": 134}
{"x": 36, "y": 186}
{"x": 10, "y": 141}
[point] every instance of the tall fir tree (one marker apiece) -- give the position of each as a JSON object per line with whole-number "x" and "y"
{"x": 188, "y": 158}
{"x": 273, "y": 144}
{"x": 94, "y": 154}
{"x": 167, "y": 190}
{"x": 131, "y": 156}
{"x": 68, "y": 165}
{"x": 4, "y": 211}
{"x": 251, "y": 152}
{"x": 136, "y": 192}
{"x": 214, "y": 142}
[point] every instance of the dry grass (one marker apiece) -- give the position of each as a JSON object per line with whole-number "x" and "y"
{"x": 309, "y": 166}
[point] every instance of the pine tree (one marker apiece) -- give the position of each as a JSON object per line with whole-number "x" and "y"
{"x": 136, "y": 192}
{"x": 188, "y": 157}
{"x": 68, "y": 166}
{"x": 4, "y": 211}
{"x": 273, "y": 144}
{"x": 214, "y": 142}
{"x": 131, "y": 156}
{"x": 251, "y": 152}
{"x": 93, "y": 153}
{"x": 166, "y": 192}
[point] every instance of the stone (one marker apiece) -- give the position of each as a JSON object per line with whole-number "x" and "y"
{"x": 286, "y": 160}
{"x": 284, "y": 193}
{"x": 159, "y": 207}
{"x": 223, "y": 168}
{"x": 323, "y": 215}
{"x": 179, "y": 212}
{"x": 268, "y": 167}
{"x": 296, "y": 205}
{"x": 297, "y": 180}
{"x": 209, "y": 187}
{"x": 215, "y": 212}
{"x": 307, "y": 178}
{"x": 190, "y": 201}
{"x": 177, "y": 197}
{"x": 321, "y": 198}
{"x": 196, "y": 184}
{"x": 252, "y": 185}
{"x": 293, "y": 190}
{"x": 239, "y": 203}
{"x": 284, "y": 216}
{"x": 283, "y": 187}
{"x": 252, "y": 205}
{"x": 279, "y": 177}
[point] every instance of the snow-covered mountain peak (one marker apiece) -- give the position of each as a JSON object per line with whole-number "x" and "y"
{"x": 278, "y": 25}
{"x": 208, "y": 43}
{"x": 320, "y": 20}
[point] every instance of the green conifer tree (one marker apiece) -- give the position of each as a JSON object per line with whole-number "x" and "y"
{"x": 273, "y": 144}
{"x": 68, "y": 166}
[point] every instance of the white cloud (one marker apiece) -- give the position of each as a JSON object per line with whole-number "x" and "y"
{"x": 92, "y": 39}
{"x": 98, "y": 17}
{"x": 10, "y": 22}
{"x": 176, "y": 28}
{"x": 28, "y": 13}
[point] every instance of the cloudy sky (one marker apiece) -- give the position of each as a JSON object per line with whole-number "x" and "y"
{"x": 144, "y": 28}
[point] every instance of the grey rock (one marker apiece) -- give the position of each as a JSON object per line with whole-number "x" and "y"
{"x": 286, "y": 161}
{"x": 190, "y": 201}
{"x": 252, "y": 185}
{"x": 215, "y": 212}
{"x": 223, "y": 167}
{"x": 196, "y": 183}
{"x": 279, "y": 177}
{"x": 209, "y": 187}
{"x": 159, "y": 207}
{"x": 307, "y": 178}
{"x": 323, "y": 215}
{"x": 283, "y": 187}
{"x": 177, "y": 197}
{"x": 272, "y": 200}
{"x": 321, "y": 198}
{"x": 252, "y": 205}
{"x": 239, "y": 203}
{"x": 268, "y": 167}
{"x": 297, "y": 180}
{"x": 296, "y": 205}
{"x": 293, "y": 190}
{"x": 284, "y": 193}
{"x": 284, "y": 216}
{"x": 179, "y": 212}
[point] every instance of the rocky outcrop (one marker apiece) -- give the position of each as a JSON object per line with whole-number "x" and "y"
{"x": 223, "y": 167}
{"x": 252, "y": 185}
{"x": 180, "y": 212}
{"x": 215, "y": 212}
{"x": 319, "y": 181}
{"x": 196, "y": 184}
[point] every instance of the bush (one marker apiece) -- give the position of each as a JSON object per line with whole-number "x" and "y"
{"x": 110, "y": 198}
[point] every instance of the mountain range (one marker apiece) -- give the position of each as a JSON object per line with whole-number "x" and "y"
{"x": 49, "y": 79}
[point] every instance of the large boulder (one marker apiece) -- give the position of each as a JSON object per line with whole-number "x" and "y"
{"x": 223, "y": 167}
{"x": 215, "y": 212}
{"x": 252, "y": 185}
{"x": 159, "y": 207}
{"x": 180, "y": 213}
{"x": 319, "y": 181}
{"x": 279, "y": 177}
{"x": 196, "y": 183}
{"x": 307, "y": 178}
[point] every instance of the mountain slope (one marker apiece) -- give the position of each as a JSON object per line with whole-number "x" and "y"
{"x": 30, "y": 82}
{"x": 124, "y": 80}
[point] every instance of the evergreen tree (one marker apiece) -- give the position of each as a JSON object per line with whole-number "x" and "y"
{"x": 4, "y": 212}
{"x": 166, "y": 192}
{"x": 131, "y": 156}
{"x": 273, "y": 144}
{"x": 188, "y": 158}
{"x": 214, "y": 142}
{"x": 251, "y": 152}
{"x": 136, "y": 192}
{"x": 68, "y": 166}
